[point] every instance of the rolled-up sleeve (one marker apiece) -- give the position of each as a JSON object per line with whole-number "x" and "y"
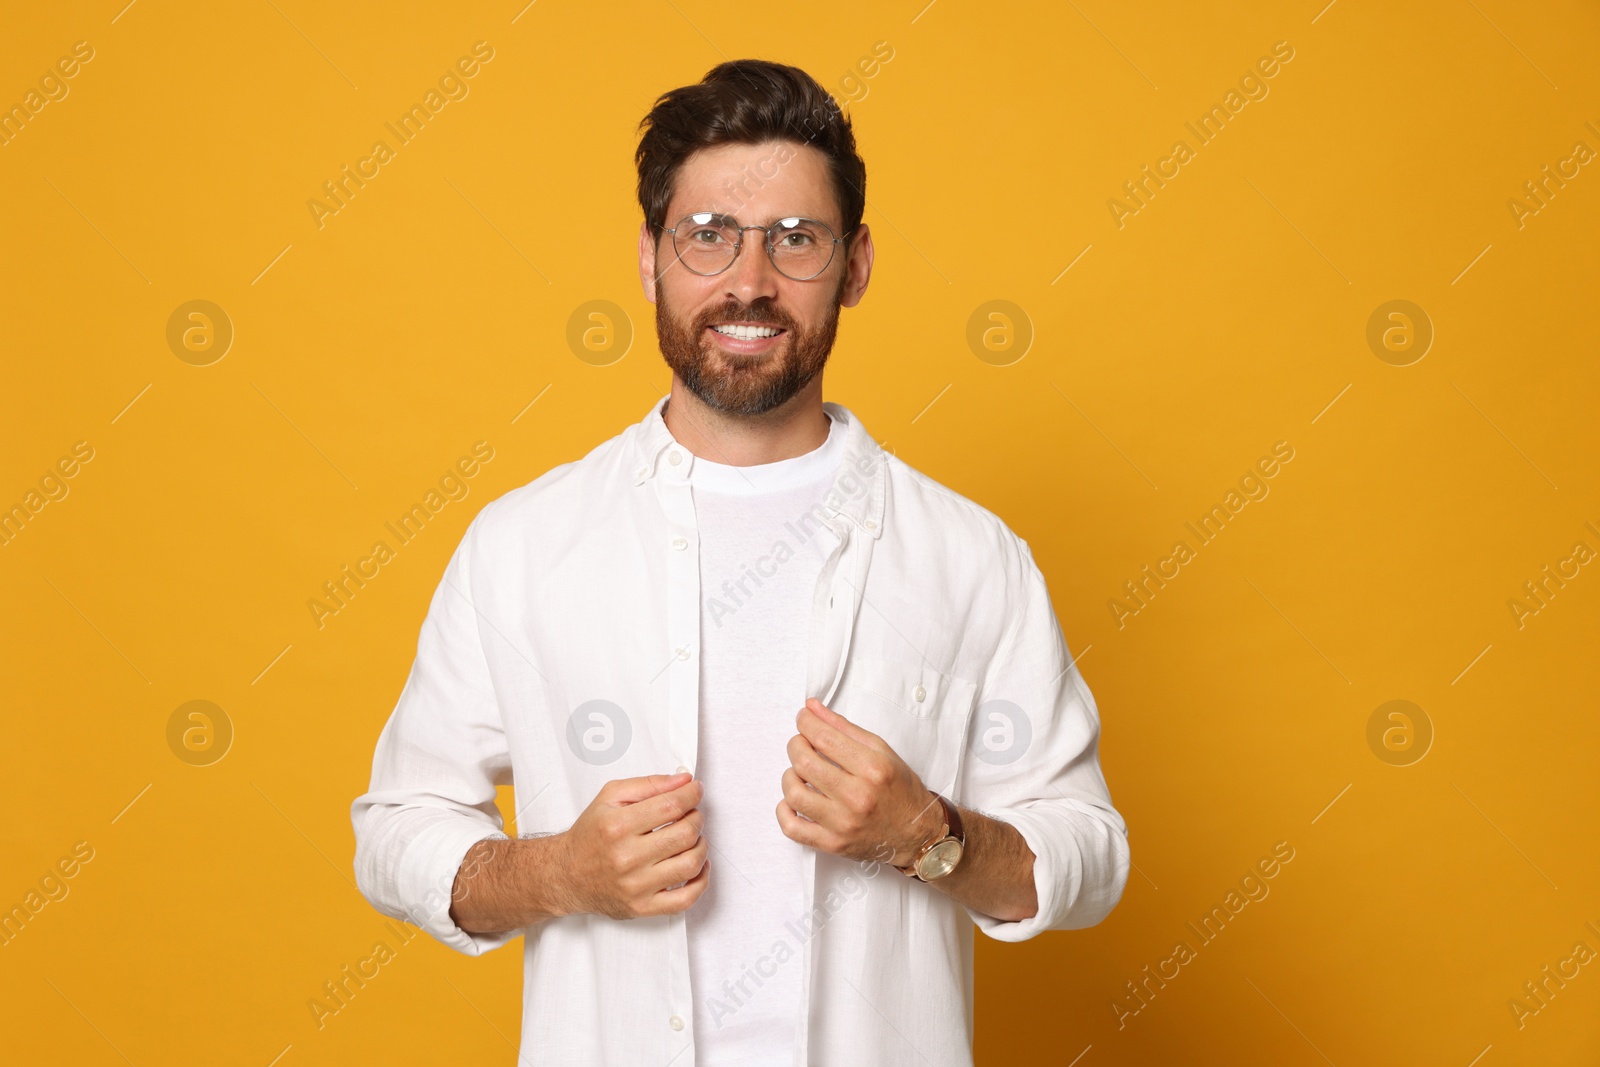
{"x": 1034, "y": 763}
{"x": 438, "y": 761}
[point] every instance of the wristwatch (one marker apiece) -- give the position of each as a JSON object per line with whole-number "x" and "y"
{"x": 939, "y": 856}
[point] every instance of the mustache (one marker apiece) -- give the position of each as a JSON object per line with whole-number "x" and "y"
{"x": 755, "y": 313}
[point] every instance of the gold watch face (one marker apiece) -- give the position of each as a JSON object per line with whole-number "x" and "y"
{"x": 940, "y": 860}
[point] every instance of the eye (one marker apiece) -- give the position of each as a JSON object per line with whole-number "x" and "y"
{"x": 705, "y": 236}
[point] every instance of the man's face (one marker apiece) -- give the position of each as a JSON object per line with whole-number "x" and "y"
{"x": 757, "y": 184}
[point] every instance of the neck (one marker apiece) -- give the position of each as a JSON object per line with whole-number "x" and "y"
{"x": 796, "y": 427}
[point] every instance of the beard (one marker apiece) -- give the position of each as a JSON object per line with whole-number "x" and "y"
{"x": 742, "y": 384}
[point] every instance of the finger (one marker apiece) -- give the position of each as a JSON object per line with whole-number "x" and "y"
{"x": 674, "y": 838}
{"x": 807, "y": 802}
{"x": 797, "y": 828}
{"x": 839, "y": 722}
{"x": 814, "y": 768}
{"x": 682, "y": 898}
{"x": 646, "y": 815}
{"x": 839, "y": 740}
{"x": 633, "y": 790}
{"x": 669, "y": 874}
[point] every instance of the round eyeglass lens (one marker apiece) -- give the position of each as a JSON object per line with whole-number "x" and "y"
{"x": 801, "y": 248}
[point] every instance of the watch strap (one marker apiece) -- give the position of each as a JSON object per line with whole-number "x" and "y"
{"x": 952, "y": 816}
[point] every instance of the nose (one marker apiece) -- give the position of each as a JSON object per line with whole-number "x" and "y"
{"x": 753, "y": 274}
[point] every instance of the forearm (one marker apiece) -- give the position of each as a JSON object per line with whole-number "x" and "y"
{"x": 995, "y": 875}
{"x": 509, "y": 884}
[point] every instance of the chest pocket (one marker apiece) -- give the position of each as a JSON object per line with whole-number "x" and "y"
{"x": 919, "y": 711}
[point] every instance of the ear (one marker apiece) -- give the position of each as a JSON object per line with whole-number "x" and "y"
{"x": 647, "y": 262}
{"x": 859, "y": 268}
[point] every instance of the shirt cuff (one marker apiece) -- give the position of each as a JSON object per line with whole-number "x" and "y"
{"x": 428, "y": 874}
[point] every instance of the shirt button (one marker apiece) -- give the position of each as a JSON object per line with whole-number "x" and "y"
{"x": 675, "y": 1022}
{"x": 871, "y": 525}
{"x": 674, "y": 458}
{"x": 683, "y": 653}
{"x": 920, "y": 693}
{"x": 679, "y": 543}
{"x": 641, "y": 472}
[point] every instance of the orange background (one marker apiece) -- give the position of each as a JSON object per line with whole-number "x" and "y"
{"x": 1229, "y": 313}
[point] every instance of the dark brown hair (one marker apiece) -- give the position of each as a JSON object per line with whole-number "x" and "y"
{"x": 747, "y": 101}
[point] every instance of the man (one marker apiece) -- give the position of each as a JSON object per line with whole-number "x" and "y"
{"x": 879, "y": 737}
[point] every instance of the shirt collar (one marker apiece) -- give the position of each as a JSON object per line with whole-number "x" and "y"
{"x": 859, "y": 491}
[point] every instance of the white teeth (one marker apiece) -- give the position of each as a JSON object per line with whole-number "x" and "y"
{"x": 747, "y": 333}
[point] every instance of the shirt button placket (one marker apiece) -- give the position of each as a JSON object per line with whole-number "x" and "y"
{"x": 682, "y": 537}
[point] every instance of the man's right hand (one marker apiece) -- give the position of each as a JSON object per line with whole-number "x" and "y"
{"x": 636, "y": 850}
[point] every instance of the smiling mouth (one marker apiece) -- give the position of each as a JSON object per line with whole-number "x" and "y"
{"x": 743, "y": 332}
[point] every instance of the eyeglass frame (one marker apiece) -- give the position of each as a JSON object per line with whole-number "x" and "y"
{"x": 739, "y": 244}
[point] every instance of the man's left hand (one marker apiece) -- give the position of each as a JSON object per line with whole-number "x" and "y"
{"x": 847, "y": 793}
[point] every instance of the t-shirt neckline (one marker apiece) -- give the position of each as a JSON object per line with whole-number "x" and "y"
{"x": 816, "y": 465}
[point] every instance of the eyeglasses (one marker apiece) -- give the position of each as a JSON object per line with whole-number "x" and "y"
{"x": 708, "y": 242}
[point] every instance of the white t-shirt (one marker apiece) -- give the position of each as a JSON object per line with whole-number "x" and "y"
{"x": 761, "y": 550}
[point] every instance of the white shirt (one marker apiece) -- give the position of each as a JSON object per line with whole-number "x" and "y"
{"x": 763, "y": 541}
{"x": 561, "y": 650}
